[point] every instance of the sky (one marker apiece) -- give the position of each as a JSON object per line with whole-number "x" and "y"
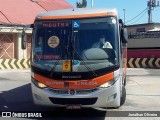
{"x": 132, "y": 9}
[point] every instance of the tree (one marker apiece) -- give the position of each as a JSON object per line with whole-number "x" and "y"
{"x": 82, "y": 5}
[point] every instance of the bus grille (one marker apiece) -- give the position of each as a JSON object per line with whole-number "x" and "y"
{"x": 77, "y": 92}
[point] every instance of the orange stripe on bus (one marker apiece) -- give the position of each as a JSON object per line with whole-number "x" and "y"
{"x": 76, "y": 16}
{"x": 78, "y": 84}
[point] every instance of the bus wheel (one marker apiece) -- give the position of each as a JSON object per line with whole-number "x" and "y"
{"x": 123, "y": 96}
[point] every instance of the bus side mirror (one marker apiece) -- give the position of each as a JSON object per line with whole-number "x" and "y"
{"x": 24, "y": 40}
{"x": 124, "y": 35}
{"x": 24, "y": 35}
{"x": 123, "y": 32}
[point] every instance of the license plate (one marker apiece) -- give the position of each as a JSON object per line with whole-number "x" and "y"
{"x": 73, "y": 107}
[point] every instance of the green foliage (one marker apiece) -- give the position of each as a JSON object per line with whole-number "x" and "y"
{"x": 82, "y": 5}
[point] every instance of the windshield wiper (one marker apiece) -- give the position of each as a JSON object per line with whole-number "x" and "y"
{"x": 66, "y": 53}
{"x": 70, "y": 49}
{"x": 88, "y": 68}
{"x": 61, "y": 56}
{"x": 74, "y": 51}
{"x": 54, "y": 67}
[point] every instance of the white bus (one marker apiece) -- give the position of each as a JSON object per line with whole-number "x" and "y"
{"x": 78, "y": 58}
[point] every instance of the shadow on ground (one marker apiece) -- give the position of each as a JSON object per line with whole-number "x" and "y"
{"x": 20, "y": 100}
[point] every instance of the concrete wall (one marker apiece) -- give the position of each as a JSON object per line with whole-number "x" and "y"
{"x": 144, "y": 43}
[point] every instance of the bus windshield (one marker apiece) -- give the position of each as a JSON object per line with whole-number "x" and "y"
{"x": 91, "y": 44}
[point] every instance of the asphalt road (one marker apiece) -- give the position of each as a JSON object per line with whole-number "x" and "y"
{"x": 143, "y": 94}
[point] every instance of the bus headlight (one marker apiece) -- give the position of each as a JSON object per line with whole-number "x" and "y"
{"x": 109, "y": 83}
{"x": 38, "y": 84}
{"x": 41, "y": 85}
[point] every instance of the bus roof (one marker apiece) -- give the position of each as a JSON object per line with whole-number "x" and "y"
{"x": 76, "y": 13}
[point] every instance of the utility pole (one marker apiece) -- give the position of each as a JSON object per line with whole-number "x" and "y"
{"x": 151, "y": 4}
{"x": 124, "y": 10}
{"x": 92, "y": 3}
{"x": 150, "y": 11}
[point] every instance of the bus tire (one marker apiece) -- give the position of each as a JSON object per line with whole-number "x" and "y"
{"x": 124, "y": 81}
{"x": 123, "y": 96}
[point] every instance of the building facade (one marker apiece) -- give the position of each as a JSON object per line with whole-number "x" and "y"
{"x": 143, "y": 27}
{"x": 144, "y": 45}
{"x": 144, "y": 35}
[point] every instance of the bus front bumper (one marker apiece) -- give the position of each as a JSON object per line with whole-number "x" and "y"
{"x": 98, "y": 97}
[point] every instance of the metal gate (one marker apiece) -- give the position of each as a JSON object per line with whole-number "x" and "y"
{"x": 7, "y": 46}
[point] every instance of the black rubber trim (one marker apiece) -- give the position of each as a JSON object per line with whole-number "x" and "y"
{"x": 81, "y": 101}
